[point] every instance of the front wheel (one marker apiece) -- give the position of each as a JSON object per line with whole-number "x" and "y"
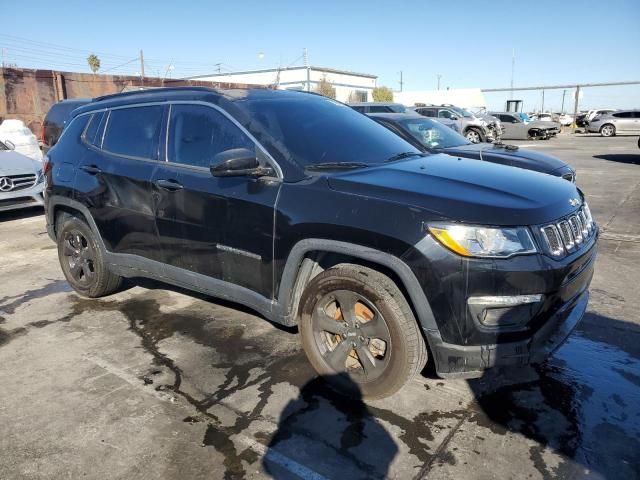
{"x": 358, "y": 330}
{"x": 473, "y": 136}
{"x": 608, "y": 130}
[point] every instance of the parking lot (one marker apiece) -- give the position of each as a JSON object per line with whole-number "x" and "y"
{"x": 156, "y": 382}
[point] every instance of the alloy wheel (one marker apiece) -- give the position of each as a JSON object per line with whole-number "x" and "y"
{"x": 351, "y": 335}
{"x": 80, "y": 257}
{"x": 473, "y": 136}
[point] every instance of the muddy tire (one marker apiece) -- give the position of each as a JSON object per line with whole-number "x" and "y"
{"x": 608, "y": 130}
{"x": 358, "y": 330}
{"x": 82, "y": 261}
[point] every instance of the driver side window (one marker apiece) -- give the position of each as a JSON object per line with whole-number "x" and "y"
{"x": 197, "y": 133}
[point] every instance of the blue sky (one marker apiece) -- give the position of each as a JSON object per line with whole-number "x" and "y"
{"x": 469, "y": 43}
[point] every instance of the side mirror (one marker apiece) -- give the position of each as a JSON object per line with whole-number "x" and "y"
{"x": 453, "y": 117}
{"x": 238, "y": 162}
{"x": 10, "y": 144}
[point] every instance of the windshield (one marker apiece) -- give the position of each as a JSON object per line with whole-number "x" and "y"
{"x": 462, "y": 111}
{"x": 433, "y": 134}
{"x": 309, "y": 130}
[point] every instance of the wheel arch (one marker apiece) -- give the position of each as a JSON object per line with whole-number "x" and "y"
{"x": 310, "y": 257}
{"x": 57, "y": 205}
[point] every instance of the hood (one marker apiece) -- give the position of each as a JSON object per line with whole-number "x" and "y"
{"x": 464, "y": 190}
{"x": 522, "y": 158}
{"x": 12, "y": 163}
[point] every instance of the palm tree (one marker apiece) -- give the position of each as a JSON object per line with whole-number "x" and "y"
{"x": 94, "y": 63}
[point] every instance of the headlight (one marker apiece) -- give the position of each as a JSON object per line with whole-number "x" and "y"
{"x": 477, "y": 241}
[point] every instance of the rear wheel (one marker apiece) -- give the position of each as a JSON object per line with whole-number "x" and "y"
{"x": 608, "y": 130}
{"x": 82, "y": 261}
{"x": 356, "y": 322}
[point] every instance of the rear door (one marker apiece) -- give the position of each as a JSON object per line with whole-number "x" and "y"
{"x": 220, "y": 227}
{"x": 624, "y": 122}
{"x": 114, "y": 177}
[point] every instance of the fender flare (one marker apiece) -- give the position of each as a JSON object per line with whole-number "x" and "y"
{"x": 417, "y": 296}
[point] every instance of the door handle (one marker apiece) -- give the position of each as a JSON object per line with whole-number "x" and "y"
{"x": 170, "y": 185}
{"x": 91, "y": 169}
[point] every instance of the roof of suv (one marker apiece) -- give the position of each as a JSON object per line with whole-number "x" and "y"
{"x": 185, "y": 93}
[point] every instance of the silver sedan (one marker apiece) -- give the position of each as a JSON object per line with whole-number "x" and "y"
{"x": 620, "y": 122}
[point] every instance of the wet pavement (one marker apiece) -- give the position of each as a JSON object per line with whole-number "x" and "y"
{"x": 156, "y": 382}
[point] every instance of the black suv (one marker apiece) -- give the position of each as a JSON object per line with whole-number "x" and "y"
{"x": 315, "y": 215}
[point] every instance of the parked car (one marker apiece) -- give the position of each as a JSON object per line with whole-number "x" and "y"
{"x": 21, "y": 179}
{"x": 591, "y": 114}
{"x": 429, "y": 136}
{"x": 619, "y": 122}
{"x": 474, "y": 129}
{"x": 378, "y": 107}
{"x": 56, "y": 119}
{"x": 565, "y": 119}
{"x": 515, "y": 128}
{"x": 493, "y": 124}
{"x": 315, "y": 215}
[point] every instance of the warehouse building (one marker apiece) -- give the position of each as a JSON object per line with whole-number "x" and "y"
{"x": 349, "y": 86}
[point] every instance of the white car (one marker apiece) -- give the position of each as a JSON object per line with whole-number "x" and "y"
{"x": 565, "y": 119}
{"x": 21, "y": 179}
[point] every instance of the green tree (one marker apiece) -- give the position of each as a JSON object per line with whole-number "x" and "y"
{"x": 325, "y": 88}
{"x": 382, "y": 94}
{"x": 94, "y": 63}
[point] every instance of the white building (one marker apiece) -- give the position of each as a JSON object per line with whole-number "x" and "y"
{"x": 350, "y": 86}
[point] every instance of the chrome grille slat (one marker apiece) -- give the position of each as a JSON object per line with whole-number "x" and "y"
{"x": 21, "y": 182}
{"x": 570, "y": 233}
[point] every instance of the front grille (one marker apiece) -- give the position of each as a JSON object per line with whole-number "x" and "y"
{"x": 14, "y": 183}
{"x": 570, "y": 233}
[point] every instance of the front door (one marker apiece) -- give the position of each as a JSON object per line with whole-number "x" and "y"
{"x": 220, "y": 227}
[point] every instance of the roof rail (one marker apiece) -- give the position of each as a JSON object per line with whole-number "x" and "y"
{"x": 149, "y": 89}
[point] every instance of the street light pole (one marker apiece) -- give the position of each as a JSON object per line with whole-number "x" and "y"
{"x": 439, "y": 77}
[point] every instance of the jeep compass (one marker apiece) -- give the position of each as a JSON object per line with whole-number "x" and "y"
{"x": 315, "y": 215}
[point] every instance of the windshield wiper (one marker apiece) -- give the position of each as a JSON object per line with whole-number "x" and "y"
{"x": 336, "y": 165}
{"x": 402, "y": 155}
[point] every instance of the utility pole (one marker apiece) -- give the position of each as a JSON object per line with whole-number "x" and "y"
{"x": 575, "y": 109}
{"x": 564, "y": 92}
{"x": 542, "y": 109}
{"x": 513, "y": 67}
{"x": 401, "y": 81}
{"x": 439, "y": 77}
{"x": 141, "y": 67}
{"x": 305, "y": 55}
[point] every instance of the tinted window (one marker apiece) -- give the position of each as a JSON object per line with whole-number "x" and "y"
{"x": 198, "y": 133}
{"x": 309, "y": 129}
{"x": 359, "y": 109}
{"x": 380, "y": 109}
{"x": 427, "y": 112}
{"x": 635, "y": 114}
{"x": 134, "y": 131}
{"x": 623, "y": 115}
{"x": 444, "y": 114}
{"x": 91, "y": 134}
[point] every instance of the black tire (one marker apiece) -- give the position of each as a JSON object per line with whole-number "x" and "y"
{"x": 608, "y": 130}
{"x": 82, "y": 260}
{"x": 391, "y": 324}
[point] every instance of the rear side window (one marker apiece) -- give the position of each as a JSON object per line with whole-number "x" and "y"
{"x": 427, "y": 112}
{"x": 623, "y": 115}
{"x": 93, "y": 132}
{"x": 134, "y": 132}
{"x": 198, "y": 133}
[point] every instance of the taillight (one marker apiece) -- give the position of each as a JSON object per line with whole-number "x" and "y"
{"x": 46, "y": 164}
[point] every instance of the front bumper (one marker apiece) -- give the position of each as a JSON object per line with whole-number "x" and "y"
{"x": 29, "y": 197}
{"x": 456, "y": 361}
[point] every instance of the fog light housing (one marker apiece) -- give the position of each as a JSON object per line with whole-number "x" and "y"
{"x": 512, "y": 311}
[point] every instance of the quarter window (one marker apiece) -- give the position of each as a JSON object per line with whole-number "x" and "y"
{"x": 91, "y": 134}
{"x": 198, "y": 133}
{"x": 134, "y": 131}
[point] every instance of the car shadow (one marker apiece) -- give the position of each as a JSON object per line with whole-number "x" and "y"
{"x": 20, "y": 214}
{"x": 339, "y": 427}
{"x": 629, "y": 158}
